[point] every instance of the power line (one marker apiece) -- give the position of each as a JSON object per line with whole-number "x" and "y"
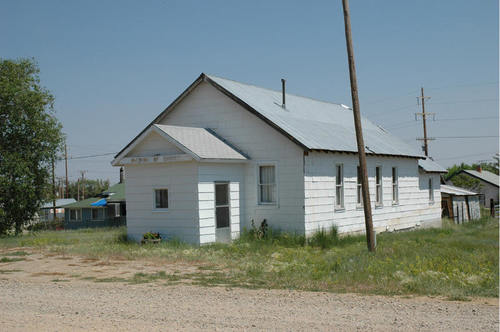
{"x": 485, "y": 136}
{"x": 445, "y": 119}
{"x": 464, "y": 156}
{"x": 92, "y": 155}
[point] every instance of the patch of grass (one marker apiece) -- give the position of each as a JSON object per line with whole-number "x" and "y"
{"x": 9, "y": 271}
{"x": 110, "y": 279}
{"x": 59, "y": 280}
{"x": 141, "y": 278}
{"x": 9, "y": 260}
{"x": 455, "y": 261}
{"x": 17, "y": 253}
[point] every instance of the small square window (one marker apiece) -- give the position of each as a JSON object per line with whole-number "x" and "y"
{"x": 161, "y": 198}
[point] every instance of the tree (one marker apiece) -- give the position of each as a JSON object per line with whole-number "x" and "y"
{"x": 92, "y": 188}
{"x": 30, "y": 138}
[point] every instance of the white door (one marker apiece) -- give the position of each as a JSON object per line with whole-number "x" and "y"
{"x": 222, "y": 213}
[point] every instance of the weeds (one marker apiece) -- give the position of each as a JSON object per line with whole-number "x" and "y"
{"x": 9, "y": 260}
{"x": 456, "y": 261}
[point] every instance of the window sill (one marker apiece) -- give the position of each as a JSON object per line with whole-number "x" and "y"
{"x": 159, "y": 210}
{"x": 359, "y": 207}
{"x": 395, "y": 203}
{"x": 267, "y": 205}
{"x": 339, "y": 209}
{"x": 379, "y": 206}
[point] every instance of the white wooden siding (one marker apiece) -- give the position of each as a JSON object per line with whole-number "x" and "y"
{"x": 208, "y": 174}
{"x": 181, "y": 219}
{"x": 208, "y": 108}
{"x": 413, "y": 209}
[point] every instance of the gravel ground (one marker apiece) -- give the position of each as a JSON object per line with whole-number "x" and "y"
{"x": 76, "y": 305}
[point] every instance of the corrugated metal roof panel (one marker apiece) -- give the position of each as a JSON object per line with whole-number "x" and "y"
{"x": 201, "y": 142}
{"x": 59, "y": 203}
{"x": 452, "y": 190}
{"x": 484, "y": 175}
{"x": 431, "y": 166}
{"x": 318, "y": 125}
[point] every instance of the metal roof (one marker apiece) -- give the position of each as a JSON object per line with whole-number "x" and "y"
{"x": 115, "y": 193}
{"x": 431, "y": 166}
{"x": 201, "y": 142}
{"x": 59, "y": 203}
{"x": 484, "y": 175}
{"x": 452, "y": 190}
{"x": 317, "y": 125}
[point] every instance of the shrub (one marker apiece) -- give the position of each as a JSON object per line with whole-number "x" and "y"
{"x": 46, "y": 226}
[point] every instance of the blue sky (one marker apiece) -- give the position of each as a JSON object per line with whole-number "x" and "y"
{"x": 114, "y": 65}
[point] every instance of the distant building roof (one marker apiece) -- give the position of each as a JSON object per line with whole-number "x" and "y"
{"x": 430, "y": 166}
{"x": 483, "y": 175}
{"x": 310, "y": 123}
{"x": 114, "y": 194}
{"x": 452, "y": 190}
{"x": 61, "y": 202}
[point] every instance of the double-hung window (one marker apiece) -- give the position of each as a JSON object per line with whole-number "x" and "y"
{"x": 431, "y": 191}
{"x": 74, "y": 214}
{"x": 378, "y": 186}
{"x": 97, "y": 213}
{"x": 339, "y": 187}
{"x": 161, "y": 199}
{"x": 395, "y": 185}
{"x": 267, "y": 184}
{"x": 359, "y": 192}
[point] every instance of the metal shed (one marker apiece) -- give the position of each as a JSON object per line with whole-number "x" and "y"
{"x": 459, "y": 204}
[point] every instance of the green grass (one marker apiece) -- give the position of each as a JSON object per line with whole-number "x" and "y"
{"x": 8, "y": 259}
{"x": 456, "y": 261}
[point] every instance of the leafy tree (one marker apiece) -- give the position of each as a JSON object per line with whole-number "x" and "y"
{"x": 30, "y": 138}
{"x": 92, "y": 188}
{"x": 464, "y": 181}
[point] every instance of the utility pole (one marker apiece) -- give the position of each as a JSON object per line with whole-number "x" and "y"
{"x": 53, "y": 189}
{"x": 370, "y": 235}
{"x": 422, "y": 98}
{"x": 83, "y": 183}
{"x": 66, "y": 164}
{"x": 78, "y": 189}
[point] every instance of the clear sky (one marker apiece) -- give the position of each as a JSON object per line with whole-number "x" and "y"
{"x": 114, "y": 65}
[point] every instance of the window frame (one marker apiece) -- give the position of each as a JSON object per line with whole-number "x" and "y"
{"x": 379, "y": 198}
{"x": 98, "y": 217}
{"x": 276, "y": 192}
{"x": 341, "y": 206}
{"x": 359, "y": 188}
{"x": 160, "y": 209}
{"x": 78, "y": 213}
{"x": 395, "y": 185}
{"x": 431, "y": 190}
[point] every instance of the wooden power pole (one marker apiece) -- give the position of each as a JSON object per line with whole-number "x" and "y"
{"x": 53, "y": 189}
{"x": 66, "y": 165}
{"x": 424, "y": 121}
{"x": 370, "y": 235}
{"x": 83, "y": 183}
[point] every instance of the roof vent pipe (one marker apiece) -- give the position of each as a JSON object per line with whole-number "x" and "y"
{"x": 283, "y": 92}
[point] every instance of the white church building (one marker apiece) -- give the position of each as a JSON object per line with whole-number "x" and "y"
{"x": 225, "y": 153}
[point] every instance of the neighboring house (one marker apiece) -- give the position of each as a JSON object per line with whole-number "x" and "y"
{"x": 108, "y": 209}
{"x": 47, "y": 209}
{"x": 487, "y": 186}
{"x": 224, "y": 154}
{"x": 460, "y": 204}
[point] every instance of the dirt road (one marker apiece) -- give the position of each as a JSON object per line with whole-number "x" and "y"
{"x": 32, "y": 298}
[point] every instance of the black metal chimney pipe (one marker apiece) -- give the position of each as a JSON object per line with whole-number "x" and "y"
{"x": 283, "y": 92}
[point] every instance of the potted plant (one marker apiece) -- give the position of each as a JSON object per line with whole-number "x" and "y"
{"x": 151, "y": 237}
